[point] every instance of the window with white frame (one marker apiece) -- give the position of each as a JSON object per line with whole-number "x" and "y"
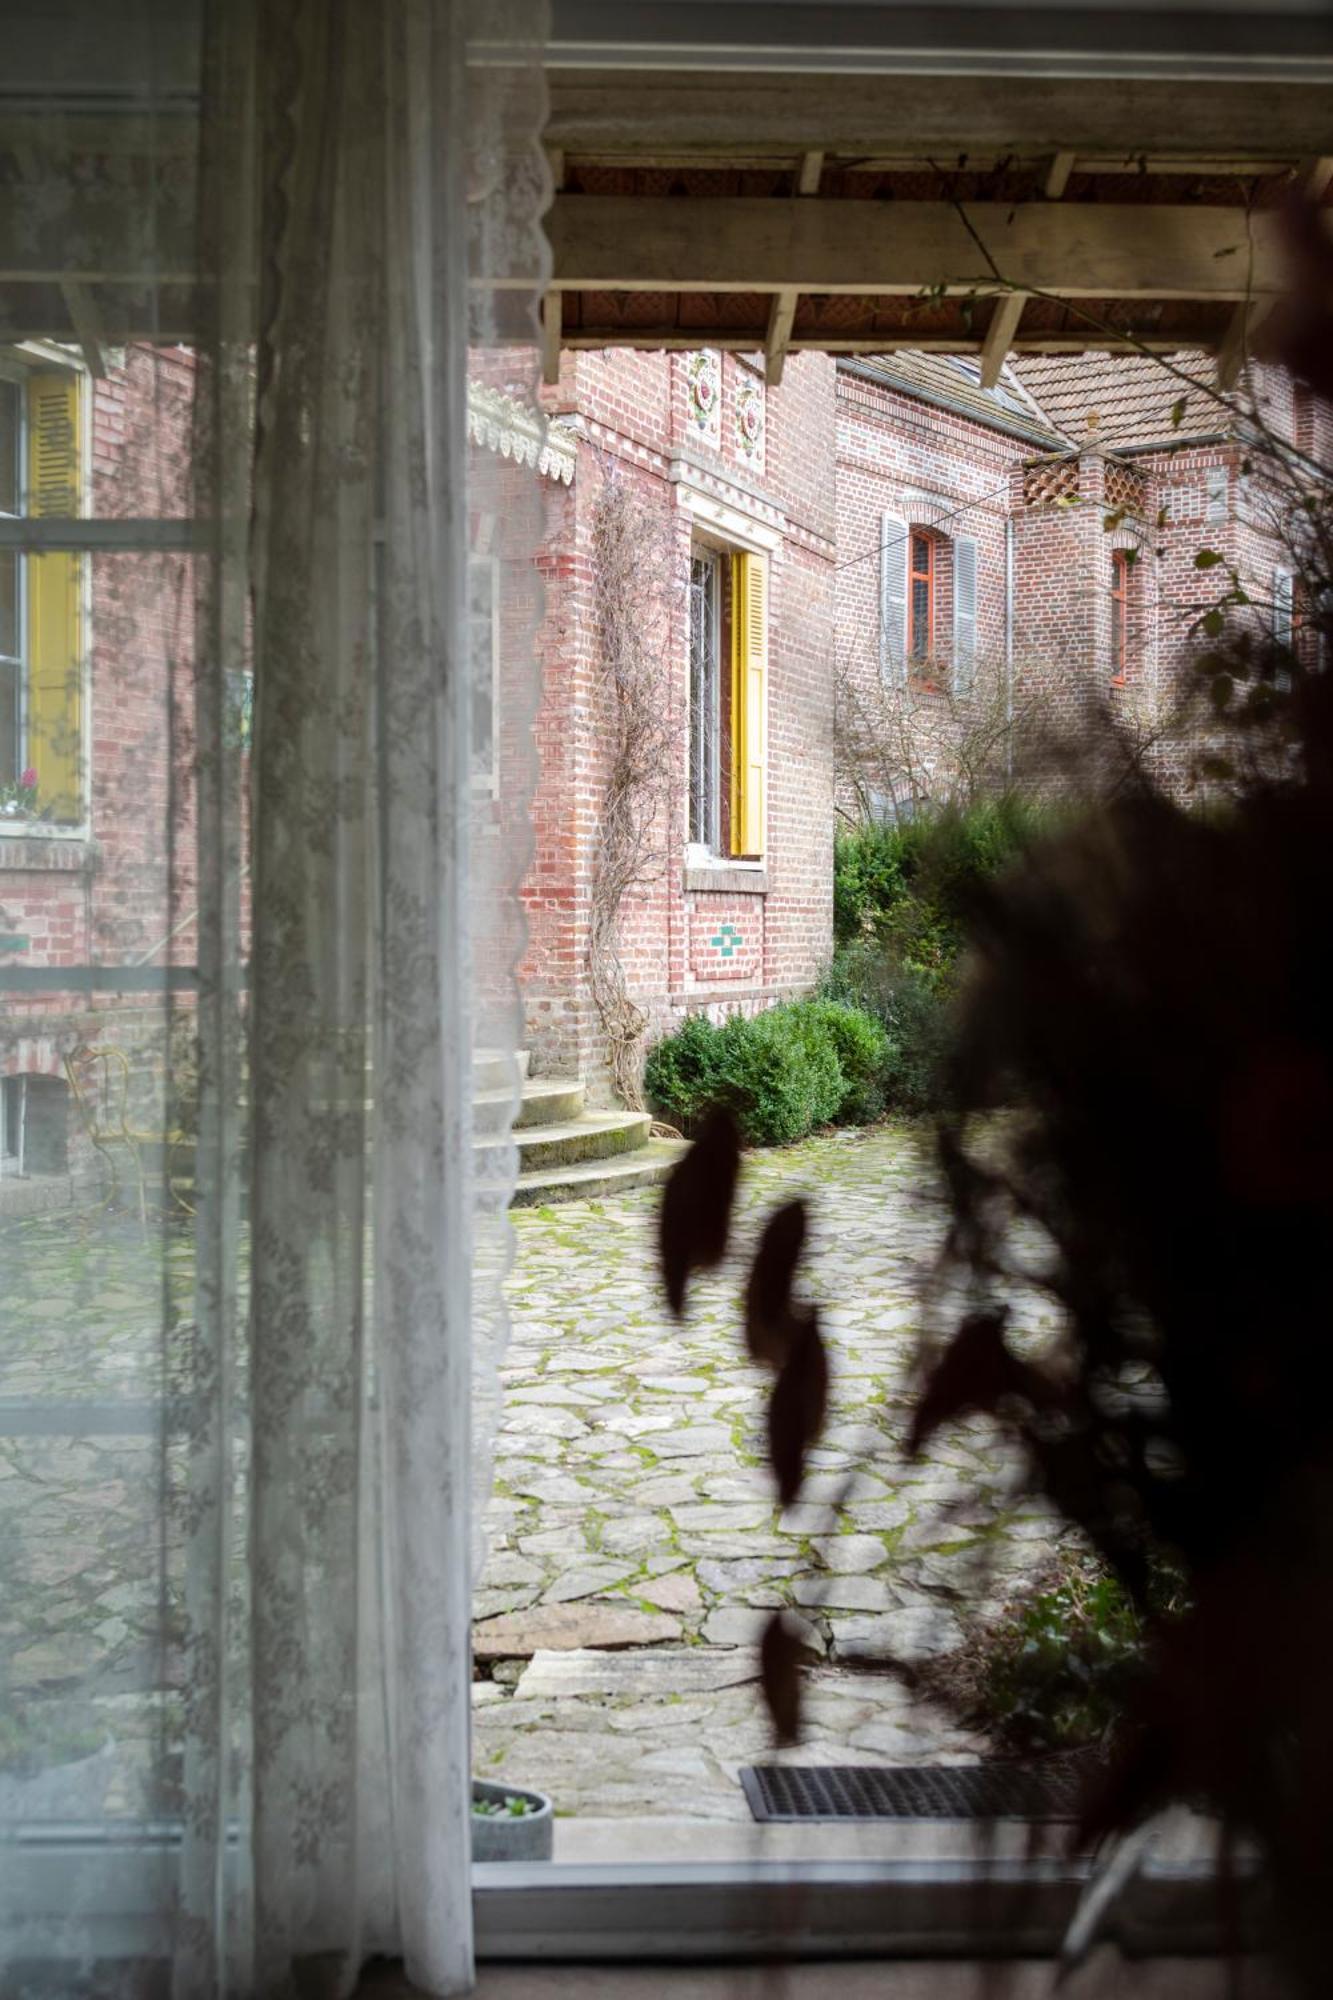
{"x": 728, "y": 703}
{"x": 928, "y": 589}
{"x": 706, "y": 707}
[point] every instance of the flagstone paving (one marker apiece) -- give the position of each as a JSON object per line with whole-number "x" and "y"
{"x": 632, "y": 1515}
{"x": 631, "y": 1472}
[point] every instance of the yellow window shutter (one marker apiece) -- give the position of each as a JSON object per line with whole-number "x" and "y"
{"x": 749, "y": 702}
{"x": 55, "y": 668}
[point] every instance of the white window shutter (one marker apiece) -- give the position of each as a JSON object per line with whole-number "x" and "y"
{"x": 964, "y": 613}
{"x": 1218, "y": 481}
{"x": 1283, "y": 599}
{"x": 892, "y": 598}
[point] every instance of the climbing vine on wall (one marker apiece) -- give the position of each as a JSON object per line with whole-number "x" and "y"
{"x": 633, "y": 551}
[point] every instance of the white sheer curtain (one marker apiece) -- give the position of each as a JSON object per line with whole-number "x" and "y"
{"x": 301, "y": 1303}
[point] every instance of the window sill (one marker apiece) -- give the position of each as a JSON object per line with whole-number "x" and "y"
{"x": 33, "y": 844}
{"x": 735, "y": 878}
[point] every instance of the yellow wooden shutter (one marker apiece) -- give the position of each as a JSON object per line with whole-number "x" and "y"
{"x": 749, "y": 702}
{"x": 55, "y": 675}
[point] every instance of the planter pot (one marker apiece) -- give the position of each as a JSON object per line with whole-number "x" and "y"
{"x": 506, "y": 1838}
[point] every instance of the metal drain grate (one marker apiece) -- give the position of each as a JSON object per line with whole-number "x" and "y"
{"x": 961, "y": 1791}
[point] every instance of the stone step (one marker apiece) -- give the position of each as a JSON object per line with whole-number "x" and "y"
{"x": 597, "y": 1135}
{"x": 592, "y": 1180}
{"x": 493, "y": 1069}
{"x": 546, "y": 1100}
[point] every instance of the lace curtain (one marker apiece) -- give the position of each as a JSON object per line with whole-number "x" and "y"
{"x": 253, "y": 1281}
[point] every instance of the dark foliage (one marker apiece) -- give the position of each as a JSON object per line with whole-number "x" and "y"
{"x": 696, "y": 1206}
{"x": 1057, "y": 1668}
{"x": 1154, "y": 991}
{"x": 770, "y": 1323}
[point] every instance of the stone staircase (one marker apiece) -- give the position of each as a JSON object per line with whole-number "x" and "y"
{"x": 565, "y": 1151}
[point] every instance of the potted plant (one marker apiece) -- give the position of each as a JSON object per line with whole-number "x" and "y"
{"x": 510, "y": 1823}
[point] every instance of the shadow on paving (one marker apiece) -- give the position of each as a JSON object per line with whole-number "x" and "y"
{"x": 635, "y": 1548}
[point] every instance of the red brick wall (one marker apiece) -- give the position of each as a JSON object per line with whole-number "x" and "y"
{"x": 632, "y": 411}
{"x": 99, "y": 895}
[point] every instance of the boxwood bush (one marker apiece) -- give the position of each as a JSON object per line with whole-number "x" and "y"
{"x": 782, "y": 1072}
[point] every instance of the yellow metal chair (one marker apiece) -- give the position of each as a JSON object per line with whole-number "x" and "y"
{"x": 99, "y": 1078}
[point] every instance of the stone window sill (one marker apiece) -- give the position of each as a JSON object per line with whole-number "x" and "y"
{"x": 734, "y": 878}
{"x": 24, "y": 847}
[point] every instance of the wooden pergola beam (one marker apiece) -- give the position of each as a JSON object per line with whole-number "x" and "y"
{"x": 810, "y": 173}
{"x": 596, "y": 113}
{"x": 1000, "y": 336}
{"x": 1057, "y": 175}
{"x": 553, "y": 312}
{"x": 87, "y": 323}
{"x": 552, "y": 304}
{"x": 1314, "y": 176}
{"x": 783, "y": 309}
{"x": 1234, "y": 351}
{"x": 744, "y": 340}
{"x": 777, "y": 338}
{"x": 619, "y": 243}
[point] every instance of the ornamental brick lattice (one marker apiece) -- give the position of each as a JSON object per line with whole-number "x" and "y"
{"x": 1050, "y": 479}
{"x": 1125, "y": 488}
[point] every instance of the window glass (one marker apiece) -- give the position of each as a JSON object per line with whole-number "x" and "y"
{"x": 10, "y": 441}
{"x": 705, "y": 702}
{"x": 922, "y": 576}
{"x": 1119, "y": 614}
{"x": 9, "y": 604}
{"x": 9, "y": 724}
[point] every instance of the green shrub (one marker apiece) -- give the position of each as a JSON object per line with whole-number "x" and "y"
{"x": 1050, "y": 1673}
{"x": 911, "y": 1008}
{"x": 782, "y": 1072}
{"x": 782, "y": 1076}
{"x": 865, "y": 1052}
{"x": 912, "y": 884}
{"x": 682, "y": 1073}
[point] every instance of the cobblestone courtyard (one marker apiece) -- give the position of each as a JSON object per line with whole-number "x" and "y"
{"x": 635, "y": 1546}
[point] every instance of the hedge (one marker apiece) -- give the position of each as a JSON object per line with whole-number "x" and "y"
{"x": 782, "y": 1072}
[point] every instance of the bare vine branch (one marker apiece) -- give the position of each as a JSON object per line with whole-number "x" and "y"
{"x": 633, "y": 614}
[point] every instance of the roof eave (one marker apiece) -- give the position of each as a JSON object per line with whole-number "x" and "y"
{"x": 1013, "y": 427}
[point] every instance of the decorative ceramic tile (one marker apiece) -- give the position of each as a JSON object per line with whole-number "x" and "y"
{"x": 703, "y": 379}
{"x": 725, "y": 944}
{"x": 750, "y": 422}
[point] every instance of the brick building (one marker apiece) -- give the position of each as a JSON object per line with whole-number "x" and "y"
{"x": 93, "y": 650}
{"x": 853, "y": 584}
{"x": 730, "y": 489}
{"x": 1010, "y": 557}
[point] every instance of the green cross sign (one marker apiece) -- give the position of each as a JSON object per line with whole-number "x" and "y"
{"x": 726, "y": 940}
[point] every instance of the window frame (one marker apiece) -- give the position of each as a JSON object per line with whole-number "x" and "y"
{"x": 1121, "y": 570}
{"x": 17, "y": 661}
{"x": 13, "y": 1113}
{"x": 704, "y": 833}
{"x": 86, "y": 536}
{"x": 919, "y": 658}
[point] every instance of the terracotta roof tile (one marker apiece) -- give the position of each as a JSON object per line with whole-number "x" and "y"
{"x": 952, "y": 382}
{"x": 1121, "y": 399}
